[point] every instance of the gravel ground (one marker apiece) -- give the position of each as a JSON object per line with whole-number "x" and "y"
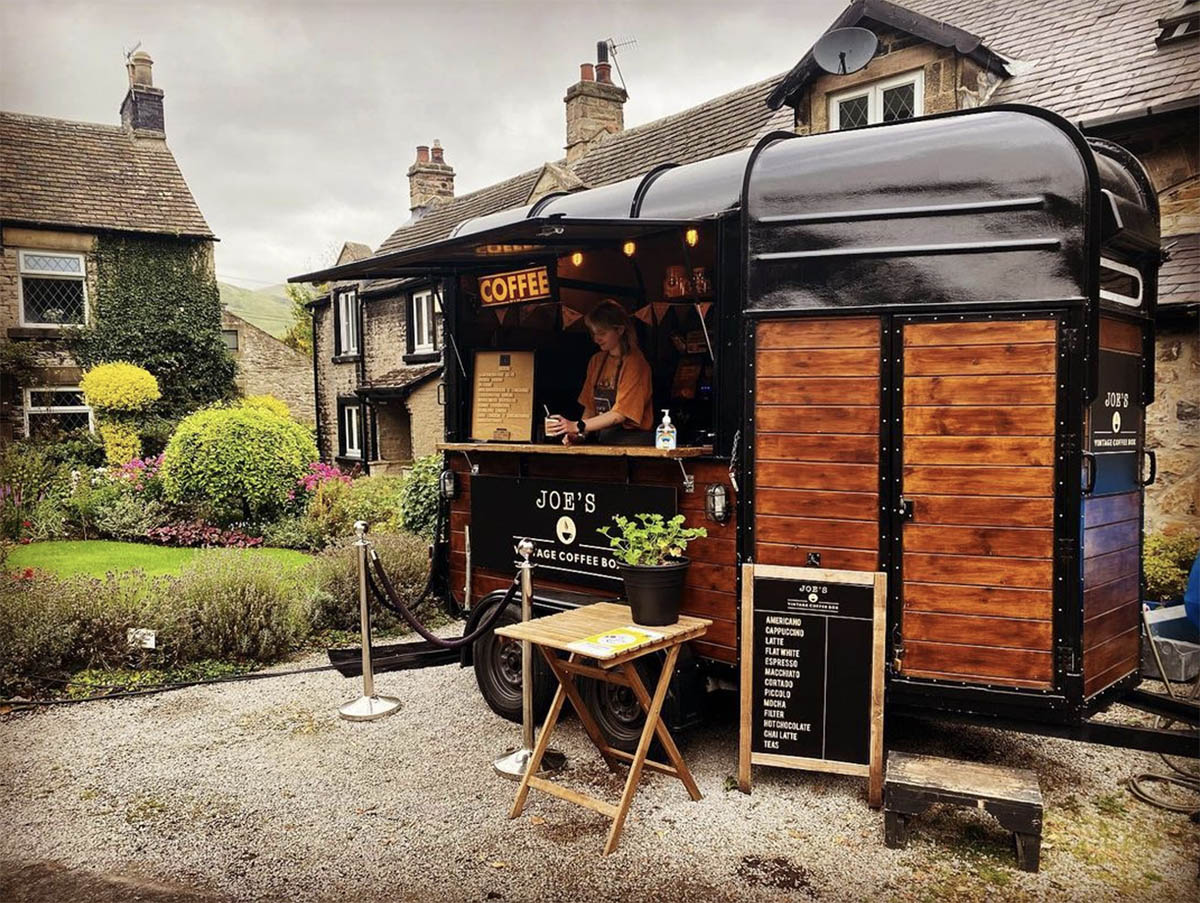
{"x": 258, "y": 791}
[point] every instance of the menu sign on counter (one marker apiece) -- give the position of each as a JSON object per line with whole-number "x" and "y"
{"x": 812, "y": 671}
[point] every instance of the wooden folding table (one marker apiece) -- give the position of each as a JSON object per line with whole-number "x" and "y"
{"x": 557, "y": 633}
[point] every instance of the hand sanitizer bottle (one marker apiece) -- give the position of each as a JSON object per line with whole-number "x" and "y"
{"x": 664, "y": 436}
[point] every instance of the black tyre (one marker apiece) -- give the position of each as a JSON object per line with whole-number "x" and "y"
{"x": 620, "y": 716}
{"x": 498, "y": 672}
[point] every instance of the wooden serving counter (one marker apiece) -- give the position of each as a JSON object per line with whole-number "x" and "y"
{"x": 554, "y": 448}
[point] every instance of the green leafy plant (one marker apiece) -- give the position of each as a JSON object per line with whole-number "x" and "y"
{"x": 119, "y": 386}
{"x": 334, "y": 576}
{"x": 419, "y": 496}
{"x": 121, "y": 442}
{"x": 245, "y": 460}
{"x": 267, "y": 402}
{"x": 651, "y": 540}
{"x": 1167, "y": 559}
{"x": 158, "y": 306}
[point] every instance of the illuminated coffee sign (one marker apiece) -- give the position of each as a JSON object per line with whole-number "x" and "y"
{"x": 514, "y": 287}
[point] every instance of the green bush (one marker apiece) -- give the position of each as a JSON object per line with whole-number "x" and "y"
{"x": 292, "y": 531}
{"x": 1168, "y": 561}
{"x": 79, "y": 450}
{"x": 419, "y": 496}
{"x": 334, "y": 576}
{"x": 28, "y": 476}
{"x": 336, "y": 505}
{"x": 121, "y": 442}
{"x": 231, "y": 606}
{"x": 119, "y": 386}
{"x": 129, "y": 517}
{"x": 50, "y": 628}
{"x": 246, "y": 461}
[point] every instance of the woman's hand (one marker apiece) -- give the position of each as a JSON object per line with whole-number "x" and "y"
{"x": 559, "y": 425}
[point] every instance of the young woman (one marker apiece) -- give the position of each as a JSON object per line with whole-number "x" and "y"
{"x": 618, "y": 407}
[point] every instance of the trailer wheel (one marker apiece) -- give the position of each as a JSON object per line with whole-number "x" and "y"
{"x": 497, "y": 663}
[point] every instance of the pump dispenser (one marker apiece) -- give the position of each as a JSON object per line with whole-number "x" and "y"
{"x": 664, "y": 436}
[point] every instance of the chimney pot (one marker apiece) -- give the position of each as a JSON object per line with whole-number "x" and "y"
{"x": 430, "y": 179}
{"x": 604, "y": 73}
{"x": 587, "y": 72}
{"x": 422, "y": 153}
{"x": 437, "y": 152}
{"x": 139, "y": 66}
{"x": 142, "y": 108}
{"x": 602, "y": 51}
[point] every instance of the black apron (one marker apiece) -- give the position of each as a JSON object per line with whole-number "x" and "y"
{"x": 604, "y": 398}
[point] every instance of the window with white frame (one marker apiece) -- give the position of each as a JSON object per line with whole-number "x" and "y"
{"x": 346, "y": 313}
{"x": 421, "y": 320}
{"x": 1120, "y": 282}
{"x": 56, "y": 409}
{"x": 887, "y": 100}
{"x": 350, "y": 431}
{"x": 53, "y": 290}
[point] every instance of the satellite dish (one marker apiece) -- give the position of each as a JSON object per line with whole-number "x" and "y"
{"x": 845, "y": 50}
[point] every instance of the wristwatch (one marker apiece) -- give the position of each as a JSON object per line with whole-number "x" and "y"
{"x": 582, "y": 427}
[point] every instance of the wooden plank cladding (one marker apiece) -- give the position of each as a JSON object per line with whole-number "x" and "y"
{"x": 1120, "y": 335}
{"x": 978, "y": 467}
{"x": 1111, "y": 580}
{"x": 816, "y": 435}
{"x": 709, "y": 590}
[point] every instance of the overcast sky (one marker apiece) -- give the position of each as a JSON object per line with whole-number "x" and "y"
{"x": 294, "y": 123}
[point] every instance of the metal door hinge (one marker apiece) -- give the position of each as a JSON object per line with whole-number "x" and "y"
{"x": 905, "y": 508}
{"x": 1065, "y": 659}
{"x": 1071, "y": 338}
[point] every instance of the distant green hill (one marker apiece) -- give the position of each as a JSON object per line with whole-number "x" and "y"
{"x": 267, "y": 308}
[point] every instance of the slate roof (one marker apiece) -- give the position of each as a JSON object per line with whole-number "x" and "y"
{"x": 60, "y": 173}
{"x": 1091, "y": 59}
{"x": 398, "y": 383}
{"x": 1179, "y": 278}
{"x": 723, "y": 124}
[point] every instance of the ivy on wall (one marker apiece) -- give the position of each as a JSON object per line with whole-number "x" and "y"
{"x": 158, "y": 306}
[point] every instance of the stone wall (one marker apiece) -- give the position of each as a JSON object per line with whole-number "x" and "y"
{"x": 1173, "y": 428}
{"x": 54, "y": 364}
{"x": 427, "y": 417}
{"x": 266, "y": 366}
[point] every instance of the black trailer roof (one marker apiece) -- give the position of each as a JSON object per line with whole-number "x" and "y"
{"x": 995, "y": 205}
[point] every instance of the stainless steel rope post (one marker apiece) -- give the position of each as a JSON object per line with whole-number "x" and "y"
{"x": 369, "y": 706}
{"x": 514, "y": 762}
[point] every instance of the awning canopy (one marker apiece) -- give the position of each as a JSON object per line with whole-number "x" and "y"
{"x": 512, "y": 245}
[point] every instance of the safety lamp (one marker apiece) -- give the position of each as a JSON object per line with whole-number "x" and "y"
{"x": 449, "y": 484}
{"x": 628, "y": 249}
{"x": 577, "y": 258}
{"x": 692, "y": 237}
{"x": 716, "y": 503}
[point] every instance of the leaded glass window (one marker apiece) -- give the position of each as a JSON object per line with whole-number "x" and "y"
{"x": 899, "y": 102}
{"x": 852, "y": 112}
{"x": 52, "y": 289}
{"x": 887, "y": 100}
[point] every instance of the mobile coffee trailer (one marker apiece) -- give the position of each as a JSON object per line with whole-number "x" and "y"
{"x": 923, "y": 348}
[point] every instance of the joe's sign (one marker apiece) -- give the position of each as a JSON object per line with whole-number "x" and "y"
{"x": 511, "y": 288}
{"x": 562, "y": 518}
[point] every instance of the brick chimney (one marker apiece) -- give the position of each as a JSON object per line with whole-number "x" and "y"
{"x": 595, "y": 106}
{"x": 142, "y": 109}
{"x": 428, "y": 178}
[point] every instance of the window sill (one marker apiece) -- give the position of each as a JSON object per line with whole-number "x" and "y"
{"x": 346, "y": 358}
{"x": 423, "y": 357}
{"x": 42, "y": 332}
{"x": 348, "y": 460}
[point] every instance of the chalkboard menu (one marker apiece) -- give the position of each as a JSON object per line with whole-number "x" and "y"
{"x": 812, "y": 670}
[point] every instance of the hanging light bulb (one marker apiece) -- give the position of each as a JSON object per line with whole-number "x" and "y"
{"x": 629, "y": 249}
{"x": 577, "y": 258}
{"x": 692, "y": 237}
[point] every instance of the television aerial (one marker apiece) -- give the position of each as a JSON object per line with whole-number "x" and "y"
{"x": 845, "y": 50}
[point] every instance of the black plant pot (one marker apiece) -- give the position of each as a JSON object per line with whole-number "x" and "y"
{"x": 654, "y": 591}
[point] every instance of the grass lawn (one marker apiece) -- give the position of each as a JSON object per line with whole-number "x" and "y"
{"x": 97, "y": 557}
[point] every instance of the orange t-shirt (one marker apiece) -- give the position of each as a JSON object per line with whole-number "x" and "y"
{"x": 634, "y": 390}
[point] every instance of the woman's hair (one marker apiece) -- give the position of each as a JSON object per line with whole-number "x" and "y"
{"x": 609, "y": 314}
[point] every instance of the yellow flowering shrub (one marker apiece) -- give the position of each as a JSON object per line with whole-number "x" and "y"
{"x": 119, "y": 386}
{"x": 269, "y": 403}
{"x": 121, "y": 442}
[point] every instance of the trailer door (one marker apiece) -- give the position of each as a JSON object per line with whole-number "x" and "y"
{"x": 975, "y": 409}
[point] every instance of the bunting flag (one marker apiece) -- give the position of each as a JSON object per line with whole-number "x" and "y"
{"x": 525, "y": 311}
{"x": 501, "y": 313}
{"x": 570, "y": 317}
{"x": 703, "y": 307}
{"x": 660, "y": 309}
{"x": 645, "y": 314}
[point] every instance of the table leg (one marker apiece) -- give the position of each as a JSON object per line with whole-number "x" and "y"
{"x": 566, "y": 680}
{"x": 539, "y": 750}
{"x": 664, "y": 735}
{"x": 643, "y": 747}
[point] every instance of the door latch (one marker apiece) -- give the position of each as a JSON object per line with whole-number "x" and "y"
{"x": 905, "y": 508}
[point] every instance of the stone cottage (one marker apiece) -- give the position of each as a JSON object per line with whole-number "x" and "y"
{"x": 266, "y": 366}
{"x": 65, "y": 187}
{"x": 1123, "y": 70}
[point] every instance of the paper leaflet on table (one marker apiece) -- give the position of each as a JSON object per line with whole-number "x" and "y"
{"x": 613, "y": 642}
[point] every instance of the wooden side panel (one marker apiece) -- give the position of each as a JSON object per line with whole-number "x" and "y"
{"x": 1112, "y": 588}
{"x": 710, "y": 588}
{"x": 816, "y": 442}
{"x": 979, "y": 454}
